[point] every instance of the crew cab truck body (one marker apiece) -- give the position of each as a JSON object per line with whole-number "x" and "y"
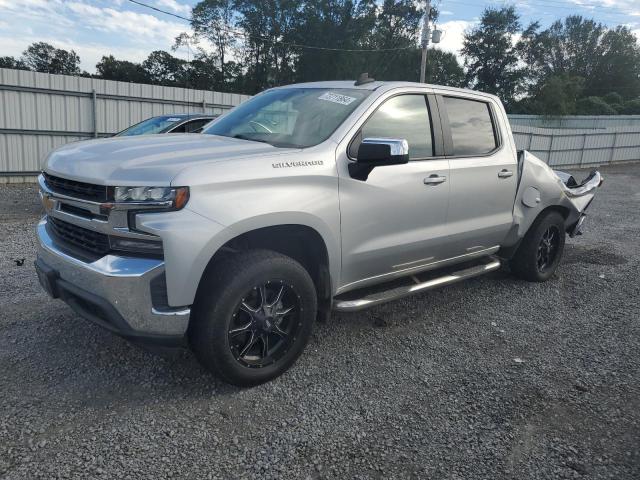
{"x": 304, "y": 199}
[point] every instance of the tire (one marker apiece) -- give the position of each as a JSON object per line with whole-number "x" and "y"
{"x": 258, "y": 296}
{"x": 540, "y": 252}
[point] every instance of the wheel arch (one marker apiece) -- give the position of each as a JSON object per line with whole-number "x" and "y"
{"x": 301, "y": 237}
{"x": 562, "y": 210}
{"x": 507, "y": 252}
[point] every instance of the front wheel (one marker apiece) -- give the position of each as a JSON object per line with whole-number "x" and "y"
{"x": 539, "y": 254}
{"x": 253, "y": 317}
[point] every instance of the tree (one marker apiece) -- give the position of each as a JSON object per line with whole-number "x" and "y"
{"x": 613, "y": 98}
{"x": 607, "y": 59}
{"x": 631, "y": 107}
{"x": 121, "y": 70}
{"x": 491, "y": 57}
{"x": 594, "y": 106}
{"x": 387, "y": 32}
{"x": 569, "y": 46}
{"x": 557, "y": 96}
{"x": 397, "y": 26}
{"x": 11, "y": 62}
{"x": 443, "y": 68}
{"x": 267, "y": 50}
{"x": 618, "y": 67}
{"x": 340, "y": 24}
{"x": 43, "y": 57}
{"x": 204, "y": 74}
{"x": 163, "y": 68}
{"x": 214, "y": 21}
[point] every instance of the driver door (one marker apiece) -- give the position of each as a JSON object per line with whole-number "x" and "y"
{"x": 395, "y": 221}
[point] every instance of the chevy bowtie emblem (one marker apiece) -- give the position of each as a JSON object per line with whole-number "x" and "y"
{"x": 47, "y": 202}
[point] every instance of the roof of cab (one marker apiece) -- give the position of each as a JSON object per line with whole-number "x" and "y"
{"x": 350, "y": 84}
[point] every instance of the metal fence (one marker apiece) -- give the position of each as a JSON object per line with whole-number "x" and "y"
{"x": 579, "y": 147}
{"x": 576, "y": 121}
{"x": 39, "y": 112}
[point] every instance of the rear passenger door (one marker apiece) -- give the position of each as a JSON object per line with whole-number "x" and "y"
{"x": 482, "y": 171}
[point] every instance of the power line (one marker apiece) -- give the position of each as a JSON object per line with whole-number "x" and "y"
{"x": 160, "y": 10}
{"x": 237, "y": 33}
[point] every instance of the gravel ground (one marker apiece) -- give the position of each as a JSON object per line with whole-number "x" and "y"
{"x": 494, "y": 378}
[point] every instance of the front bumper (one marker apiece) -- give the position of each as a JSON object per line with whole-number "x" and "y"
{"x": 115, "y": 292}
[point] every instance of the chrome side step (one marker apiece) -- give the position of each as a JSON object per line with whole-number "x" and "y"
{"x": 406, "y": 290}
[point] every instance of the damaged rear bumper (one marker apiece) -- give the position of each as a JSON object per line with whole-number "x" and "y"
{"x": 573, "y": 189}
{"x": 580, "y": 195}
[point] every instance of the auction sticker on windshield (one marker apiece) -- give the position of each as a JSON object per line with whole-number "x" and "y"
{"x": 336, "y": 98}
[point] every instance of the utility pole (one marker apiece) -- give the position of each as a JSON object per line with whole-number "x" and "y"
{"x": 426, "y": 35}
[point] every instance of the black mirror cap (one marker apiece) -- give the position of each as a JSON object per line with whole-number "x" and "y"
{"x": 379, "y": 154}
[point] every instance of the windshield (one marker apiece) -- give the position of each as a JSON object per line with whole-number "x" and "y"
{"x": 289, "y": 117}
{"x": 150, "y": 125}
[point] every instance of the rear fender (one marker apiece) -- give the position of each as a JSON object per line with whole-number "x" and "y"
{"x": 541, "y": 188}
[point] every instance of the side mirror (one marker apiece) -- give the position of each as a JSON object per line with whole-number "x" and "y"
{"x": 378, "y": 152}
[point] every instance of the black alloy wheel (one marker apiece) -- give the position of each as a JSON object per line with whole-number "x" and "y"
{"x": 539, "y": 254}
{"x": 253, "y": 316}
{"x": 265, "y": 324}
{"x": 548, "y": 248}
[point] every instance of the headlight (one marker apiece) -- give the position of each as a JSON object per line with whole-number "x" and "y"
{"x": 178, "y": 196}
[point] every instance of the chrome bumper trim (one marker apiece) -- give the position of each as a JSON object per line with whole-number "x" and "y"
{"x": 123, "y": 282}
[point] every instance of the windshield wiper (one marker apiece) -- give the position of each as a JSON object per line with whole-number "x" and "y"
{"x": 251, "y": 139}
{"x": 242, "y": 136}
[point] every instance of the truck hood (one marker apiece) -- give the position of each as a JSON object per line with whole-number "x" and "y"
{"x": 147, "y": 160}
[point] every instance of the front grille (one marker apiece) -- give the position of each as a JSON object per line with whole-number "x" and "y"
{"x": 87, "y": 240}
{"x": 85, "y": 191}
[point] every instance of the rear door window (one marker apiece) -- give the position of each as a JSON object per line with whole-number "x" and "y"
{"x": 472, "y": 130}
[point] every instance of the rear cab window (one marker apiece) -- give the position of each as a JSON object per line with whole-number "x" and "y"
{"x": 473, "y": 132}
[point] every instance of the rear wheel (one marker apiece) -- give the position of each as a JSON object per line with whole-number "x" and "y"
{"x": 253, "y": 317}
{"x": 539, "y": 254}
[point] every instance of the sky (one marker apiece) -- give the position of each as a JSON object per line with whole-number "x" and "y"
{"x": 94, "y": 28}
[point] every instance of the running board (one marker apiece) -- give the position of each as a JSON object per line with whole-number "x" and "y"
{"x": 377, "y": 298}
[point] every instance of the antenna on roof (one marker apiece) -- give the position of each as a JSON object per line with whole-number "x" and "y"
{"x": 364, "y": 78}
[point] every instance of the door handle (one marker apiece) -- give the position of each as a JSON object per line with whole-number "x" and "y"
{"x": 505, "y": 173}
{"x": 435, "y": 179}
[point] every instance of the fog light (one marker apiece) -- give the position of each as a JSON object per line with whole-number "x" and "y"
{"x": 136, "y": 245}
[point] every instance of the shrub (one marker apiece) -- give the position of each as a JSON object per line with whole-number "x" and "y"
{"x": 594, "y": 106}
{"x": 613, "y": 98}
{"x": 631, "y": 107}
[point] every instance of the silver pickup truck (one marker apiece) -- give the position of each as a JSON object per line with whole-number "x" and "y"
{"x": 305, "y": 199}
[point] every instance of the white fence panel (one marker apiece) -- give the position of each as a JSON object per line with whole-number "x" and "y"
{"x": 39, "y": 112}
{"x": 576, "y": 121}
{"x": 579, "y": 147}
